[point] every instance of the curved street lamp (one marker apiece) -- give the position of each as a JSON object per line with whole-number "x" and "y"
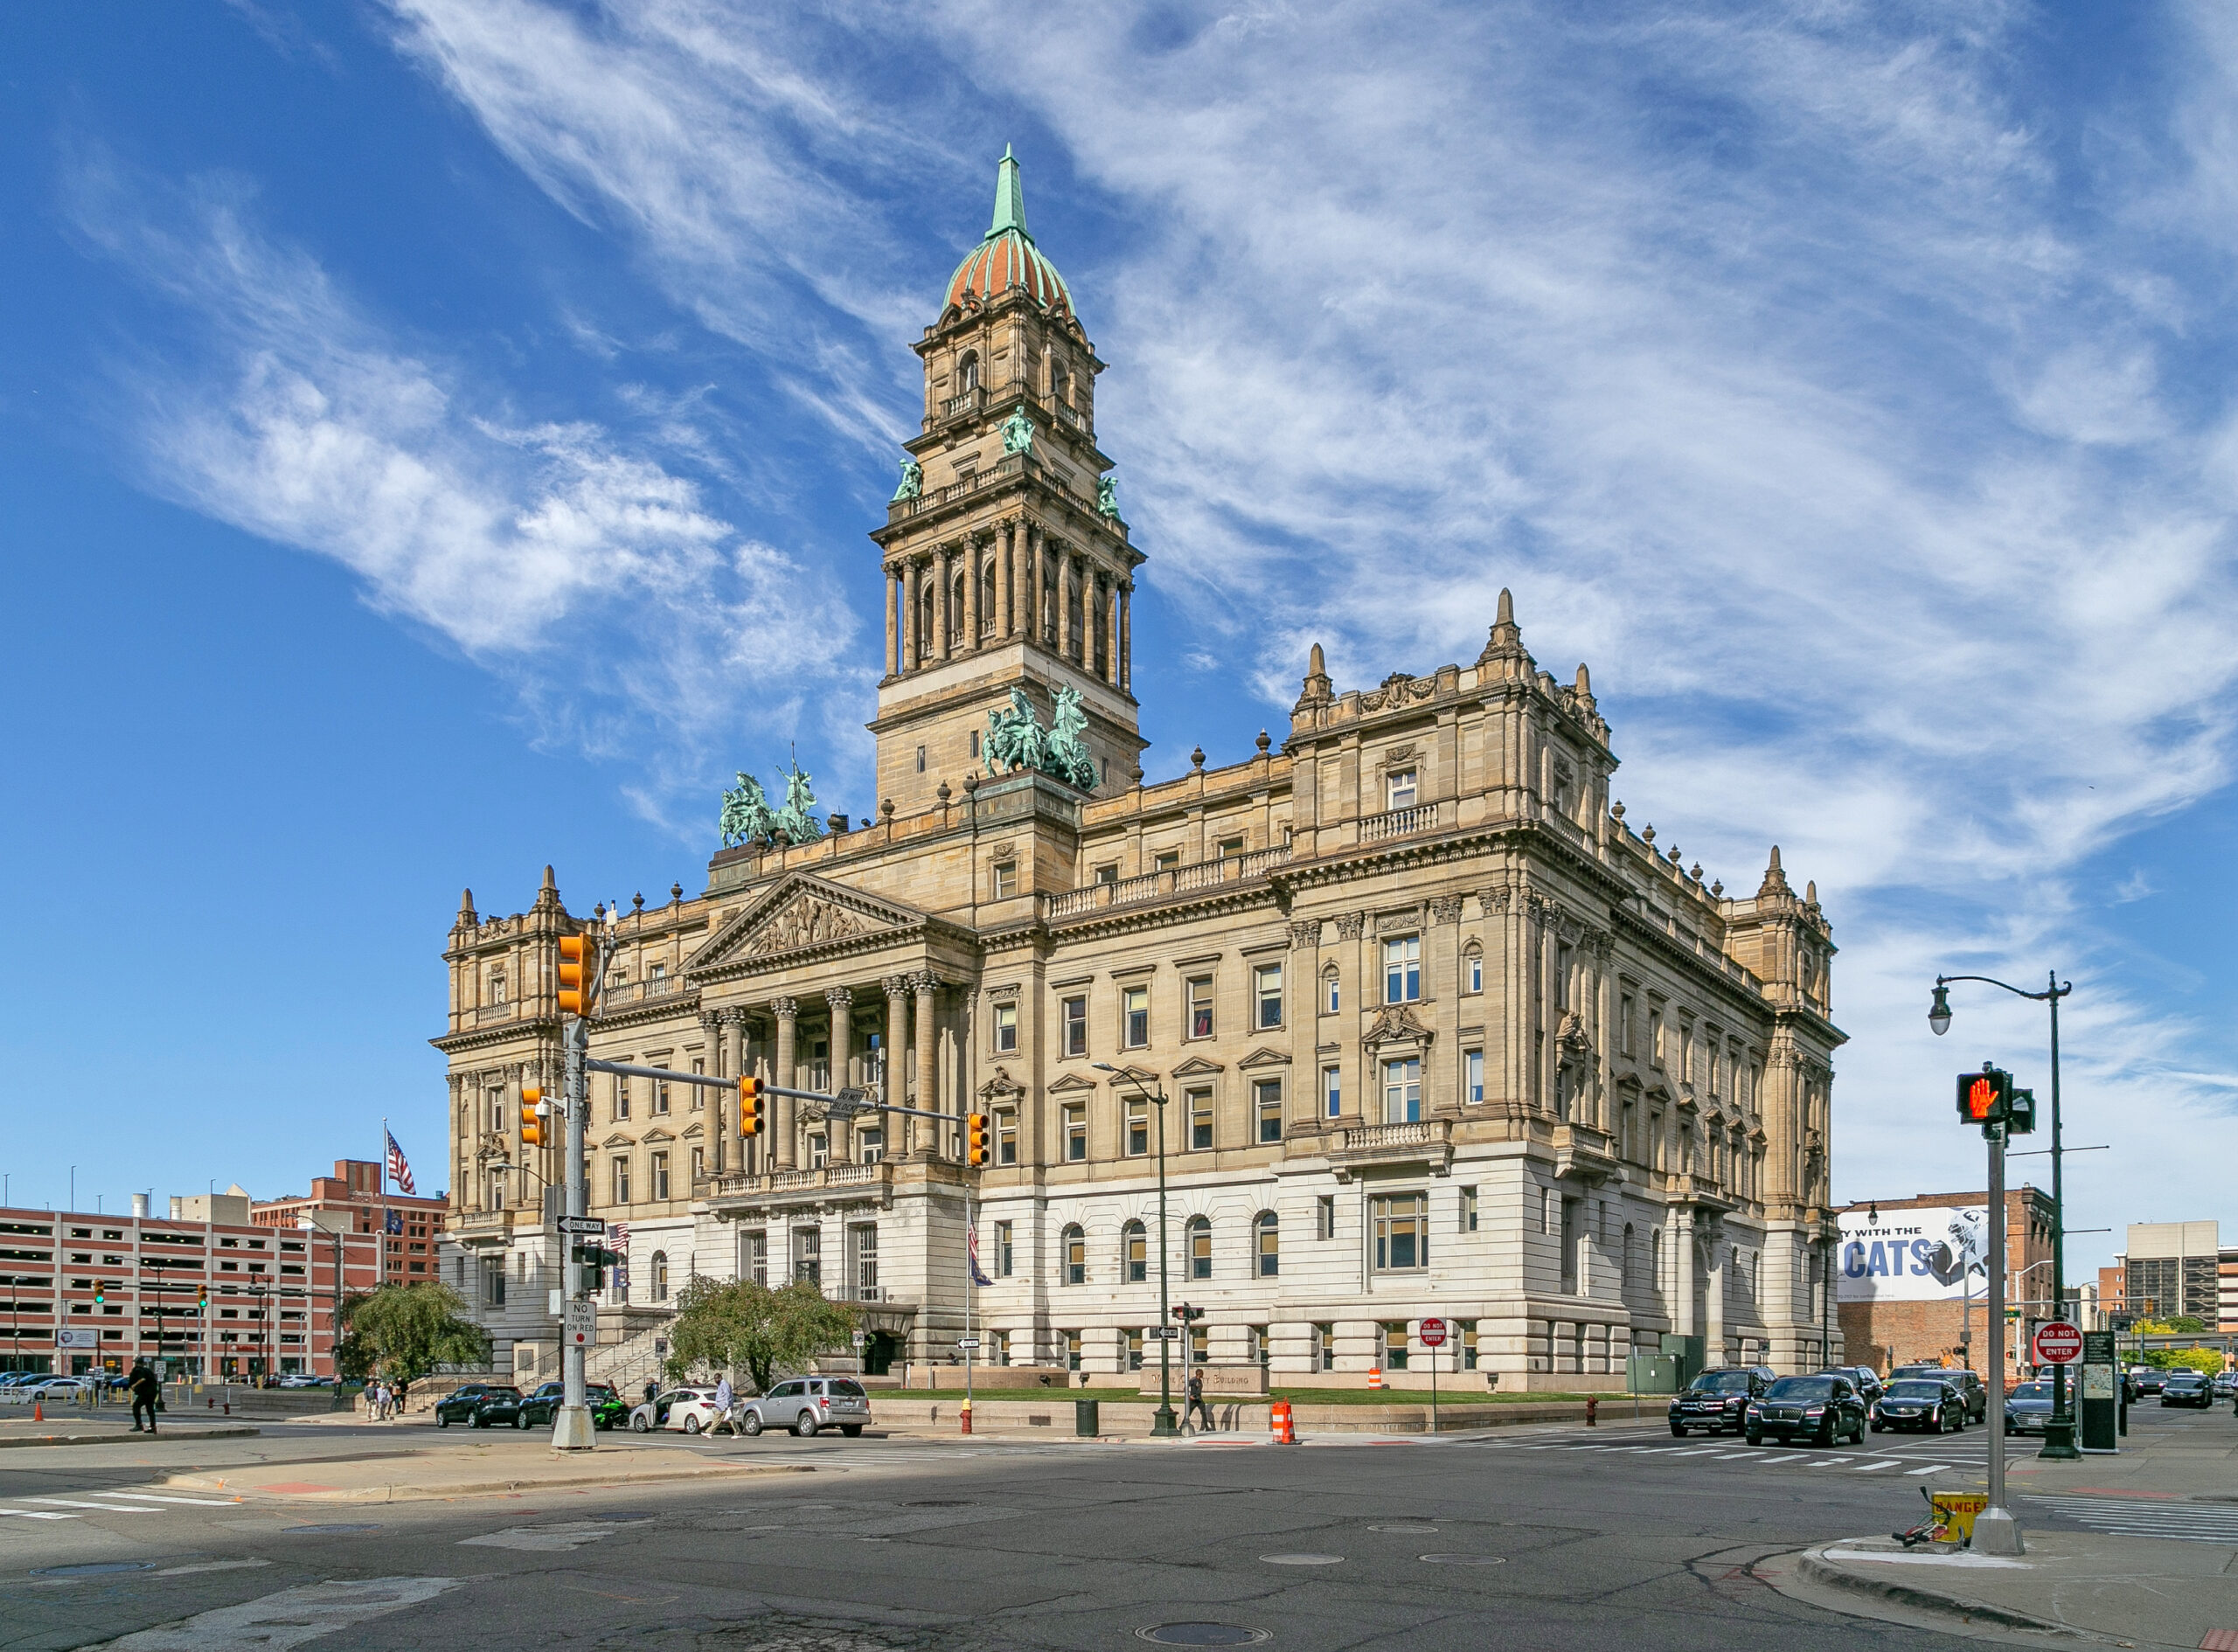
{"x": 1164, "y": 1426}
{"x": 2058, "y": 1429}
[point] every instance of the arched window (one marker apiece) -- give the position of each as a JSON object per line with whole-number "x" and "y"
{"x": 1270, "y": 1229}
{"x": 928, "y": 609}
{"x": 1472, "y": 969}
{"x": 956, "y": 607}
{"x": 660, "y": 1276}
{"x": 1200, "y": 1247}
{"x": 1624, "y": 1261}
{"x": 1331, "y": 998}
{"x": 967, "y": 373}
{"x": 1060, "y": 384}
{"x": 1134, "y": 1247}
{"x": 1075, "y": 1255}
{"x": 987, "y": 597}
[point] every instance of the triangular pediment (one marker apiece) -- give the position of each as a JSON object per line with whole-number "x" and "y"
{"x": 1263, "y": 1057}
{"x": 617, "y": 1140}
{"x": 1195, "y": 1067}
{"x": 693, "y": 1132}
{"x": 1071, "y": 1081}
{"x": 801, "y": 915}
{"x": 1000, "y": 1085}
{"x": 658, "y": 1135}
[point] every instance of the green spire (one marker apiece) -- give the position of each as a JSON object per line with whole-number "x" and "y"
{"x": 1009, "y": 198}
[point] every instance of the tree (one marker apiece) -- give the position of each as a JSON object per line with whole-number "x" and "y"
{"x": 745, "y": 1325}
{"x": 405, "y": 1331}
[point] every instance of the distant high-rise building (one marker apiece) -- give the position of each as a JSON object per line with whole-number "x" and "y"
{"x": 2172, "y": 1268}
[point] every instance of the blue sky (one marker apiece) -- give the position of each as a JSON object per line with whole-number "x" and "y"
{"x": 439, "y": 437}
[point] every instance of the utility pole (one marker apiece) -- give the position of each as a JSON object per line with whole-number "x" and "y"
{"x": 580, "y": 975}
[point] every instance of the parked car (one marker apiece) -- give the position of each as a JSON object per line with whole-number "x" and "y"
{"x": 1867, "y": 1379}
{"x": 2226, "y": 1385}
{"x": 1966, "y": 1381}
{"x": 2028, "y": 1408}
{"x": 500, "y": 1408}
{"x": 459, "y": 1406}
{"x": 2187, "y": 1388}
{"x": 1717, "y": 1399}
{"x": 692, "y": 1409}
{"x": 606, "y": 1407}
{"x": 1827, "y": 1410}
{"x": 2146, "y": 1379}
{"x": 1919, "y": 1402}
{"x": 54, "y": 1391}
{"x": 806, "y": 1405}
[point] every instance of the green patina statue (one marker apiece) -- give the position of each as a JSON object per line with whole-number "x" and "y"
{"x": 1107, "y": 496}
{"x": 913, "y": 481}
{"x": 1018, "y": 432}
{"x": 1015, "y": 741}
{"x": 747, "y": 818}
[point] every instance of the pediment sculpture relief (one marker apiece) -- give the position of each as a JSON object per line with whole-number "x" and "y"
{"x": 807, "y": 922}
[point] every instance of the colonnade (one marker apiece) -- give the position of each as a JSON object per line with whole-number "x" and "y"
{"x": 1017, "y": 582}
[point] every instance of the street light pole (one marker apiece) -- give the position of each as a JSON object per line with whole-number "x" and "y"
{"x": 1164, "y": 1425}
{"x": 2059, "y": 1428}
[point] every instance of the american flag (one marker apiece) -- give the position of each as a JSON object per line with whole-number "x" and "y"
{"x": 971, "y": 1254}
{"x": 399, "y": 1171}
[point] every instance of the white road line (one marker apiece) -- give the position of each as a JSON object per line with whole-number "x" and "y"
{"x": 1932, "y": 1468}
{"x": 277, "y": 1622}
{"x": 106, "y": 1507}
{"x": 1886, "y": 1462}
{"x": 1697, "y": 1451}
{"x": 1736, "y": 1456}
{"x": 150, "y": 1496}
{"x": 36, "y": 1514}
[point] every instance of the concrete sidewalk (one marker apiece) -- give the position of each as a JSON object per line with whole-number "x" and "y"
{"x": 470, "y": 1467}
{"x": 77, "y": 1428}
{"x": 2128, "y": 1591}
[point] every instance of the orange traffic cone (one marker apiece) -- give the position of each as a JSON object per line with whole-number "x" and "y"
{"x": 38, "y": 1409}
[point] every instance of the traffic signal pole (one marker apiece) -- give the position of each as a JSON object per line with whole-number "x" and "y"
{"x": 571, "y": 1429}
{"x": 1995, "y": 1529}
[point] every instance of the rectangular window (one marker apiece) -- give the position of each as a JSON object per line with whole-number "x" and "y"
{"x": 622, "y": 1181}
{"x": 921, "y": 759}
{"x": 660, "y": 1095}
{"x": 1325, "y": 1346}
{"x": 1005, "y": 1028}
{"x": 1198, "y": 994}
{"x": 1472, "y": 1075}
{"x": 1267, "y": 980}
{"x": 493, "y": 1282}
{"x": 1074, "y": 1017}
{"x": 1200, "y": 1338}
{"x": 808, "y": 1254}
{"x": 862, "y": 1240}
{"x": 1324, "y": 1216}
{"x": 1230, "y": 849}
{"x": 1200, "y": 1119}
{"x": 1165, "y": 860}
{"x": 1331, "y": 997}
{"x": 699, "y": 1091}
{"x": 1006, "y": 1136}
{"x": 1076, "y": 1134}
{"x": 1472, "y": 973}
{"x": 1399, "y": 788}
{"x": 1071, "y": 1350}
{"x": 1004, "y": 1251}
{"x": 660, "y": 1176}
{"x": 870, "y": 1144}
{"x": 999, "y": 1348}
{"x": 1135, "y": 1349}
{"x": 1108, "y": 873}
{"x": 1006, "y": 879}
{"x": 1468, "y": 1344}
{"x": 1401, "y": 1232}
{"x": 1332, "y": 1092}
{"x": 1655, "y": 1037}
{"x": 754, "y": 1256}
{"x": 819, "y": 1152}
{"x": 1139, "y": 1128}
{"x": 1402, "y": 1090}
{"x": 1394, "y": 1345}
{"x": 1468, "y": 1210}
{"x": 1573, "y": 1240}
{"x": 1135, "y": 1017}
{"x": 620, "y": 1097}
{"x": 1624, "y": 1023}
{"x": 1267, "y": 1102}
{"x": 1262, "y": 1347}
{"x": 1402, "y": 970}
{"x": 1564, "y": 964}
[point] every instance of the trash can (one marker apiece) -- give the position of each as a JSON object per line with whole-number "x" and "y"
{"x": 1086, "y": 1418}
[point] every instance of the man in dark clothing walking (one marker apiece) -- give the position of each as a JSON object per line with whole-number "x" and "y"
{"x": 145, "y": 1392}
{"x": 1197, "y": 1404}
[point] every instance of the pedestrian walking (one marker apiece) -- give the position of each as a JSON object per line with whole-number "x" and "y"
{"x": 652, "y": 1390}
{"x": 1197, "y": 1404}
{"x": 723, "y": 1400}
{"x": 145, "y": 1391}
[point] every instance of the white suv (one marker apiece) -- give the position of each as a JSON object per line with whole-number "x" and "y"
{"x": 691, "y": 1409}
{"x": 807, "y": 1405}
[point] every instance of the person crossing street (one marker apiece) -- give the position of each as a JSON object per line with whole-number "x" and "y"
{"x": 145, "y": 1392}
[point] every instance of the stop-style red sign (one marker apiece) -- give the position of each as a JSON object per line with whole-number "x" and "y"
{"x": 2058, "y": 1343}
{"x": 1433, "y": 1333}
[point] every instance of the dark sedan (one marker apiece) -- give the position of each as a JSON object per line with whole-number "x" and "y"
{"x": 1824, "y": 1410}
{"x": 1968, "y": 1383}
{"x": 2028, "y": 1408}
{"x": 1717, "y": 1400}
{"x": 606, "y": 1407}
{"x": 1918, "y": 1402}
{"x": 2187, "y": 1388}
{"x": 500, "y": 1408}
{"x": 458, "y": 1404}
{"x": 2146, "y": 1379}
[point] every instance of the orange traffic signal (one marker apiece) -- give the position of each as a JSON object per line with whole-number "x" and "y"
{"x": 975, "y": 1139}
{"x": 574, "y": 974}
{"x": 749, "y": 1108}
{"x": 533, "y": 1115}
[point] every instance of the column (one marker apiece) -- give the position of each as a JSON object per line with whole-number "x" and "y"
{"x": 1030, "y": 584}
{"x": 928, "y": 1073}
{"x": 842, "y": 1001}
{"x": 912, "y": 641}
{"x": 1005, "y": 569}
{"x": 943, "y": 623}
{"x": 781, "y": 1123}
{"x": 1111, "y": 623}
{"x": 972, "y": 551}
{"x": 1302, "y": 1003}
{"x": 1680, "y": 1242}
{"x": 892, "y": 632}
{"x": 1353, "y": 1001}
{"x": 1714, "y": 1346}
{"x": 897, "y": 1064}
{"x": 1126, "y": 630}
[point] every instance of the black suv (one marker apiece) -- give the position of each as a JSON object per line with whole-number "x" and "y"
{"x": 606, "y": 1407}
{"x": 1969, "y": 1384}
{"x": 1826, "y": 1410}
{"x": 1717, "y": 1400}
{"x": 471, "y": 1404}
{"x": 2188, "y": 1388}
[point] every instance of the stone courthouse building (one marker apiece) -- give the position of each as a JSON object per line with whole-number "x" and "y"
{"x": 1437, "y": 1033}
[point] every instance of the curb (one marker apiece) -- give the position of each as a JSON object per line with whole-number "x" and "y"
{"x": 1812, "y": 1565}
{"x": 6, "y": 1441}
{"x": 436, "y": 1494}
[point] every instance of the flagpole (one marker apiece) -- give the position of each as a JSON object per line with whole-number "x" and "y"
{"x": 380, "y": 1247}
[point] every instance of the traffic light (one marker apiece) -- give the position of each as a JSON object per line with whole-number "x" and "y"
{"x": 100, "y": 1292}
{"x": 1187, "y": 1314}
{"x": 749, "y": 1108}
{"x": 1984, "y": 1098}
{"x": 975, "y": 1139}
{"x": 594, "y": 1261}
{"x": 2020, "y": 1113}
{"x": 574, "y": 974}
{"x": 534, "y": 1111}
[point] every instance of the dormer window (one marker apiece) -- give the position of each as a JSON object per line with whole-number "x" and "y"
{"x": 967, "y": 373}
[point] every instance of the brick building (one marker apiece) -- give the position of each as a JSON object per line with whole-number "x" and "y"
{"x": 352, "y": 1201}
{"x": 1884, "y": 1332}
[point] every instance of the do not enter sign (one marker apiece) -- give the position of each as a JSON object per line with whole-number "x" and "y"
{"x": 2058, "y": 1343}
{"x": 1433, "y": 1333}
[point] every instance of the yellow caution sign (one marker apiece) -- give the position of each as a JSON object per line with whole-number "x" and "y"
{"x": 1954, "y": 1512}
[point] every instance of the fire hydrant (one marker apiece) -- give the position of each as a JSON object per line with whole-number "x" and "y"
{"x": 1592, "y": 1412}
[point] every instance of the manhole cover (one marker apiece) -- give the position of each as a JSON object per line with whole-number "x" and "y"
{"x": 1411, "y": 1531}
{"x": 316, "y": 1530}
{"x": 93, "y": 1568}
{"x": 1202, "y": 1634}
{"x": 1466, "y": 1559}
{"x": 1303, "y": 1559}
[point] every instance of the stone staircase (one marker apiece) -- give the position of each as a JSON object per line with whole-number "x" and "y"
{"x": 629, "y": 1365}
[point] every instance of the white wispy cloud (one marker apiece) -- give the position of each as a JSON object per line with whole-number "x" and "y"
{"x": 283, "y": 408}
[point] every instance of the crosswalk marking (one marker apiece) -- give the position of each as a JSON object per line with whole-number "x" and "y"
{"x": 1932, "y": 1468}
{"x": 36, "y": 1514}
{"x": 2190, "y": 1522}
{"x": 106, "y": 1507}
{"x": 150, "y": 1496}
{"x": 1736, "y": 1456}
{"x": 1886, "y": 1462}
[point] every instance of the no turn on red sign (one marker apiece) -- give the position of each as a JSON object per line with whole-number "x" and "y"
{"x": 2058, "y": 1343}
{"x": 1432, "y": 1332}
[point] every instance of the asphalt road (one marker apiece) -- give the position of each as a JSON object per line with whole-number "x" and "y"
{"x": 1617, "y": 1538}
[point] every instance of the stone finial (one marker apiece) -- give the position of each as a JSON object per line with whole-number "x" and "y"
{"x": 1673, "y": 856}
{"x": 1506, "y": 642}
{"x": 837, "y": 823}
{"x": 1717, "y": 889}
{"x": 943, "y": 794}
{"x": 637, "y": 901}
{"x": 1648, "y": 837}
{"x": 1315, "y": 664}
{"x": 1262, "y": 742}
{"x": 466, "y": 906}
{"x": 886, "y": 810}
{"x": 549, "y": 881}
{"x": 547, "y": 898}
{"x": 1316, "y": 691}
{"x": 1775, "y": 880}
{"x": 1138, "y": 772}
{"x": 1617, "y": 811}
{"x": 1811, "y": 892}
{"x": 675, "y": 893}
{"x": 971, "y": 781}
{"x": 1197, "y": 760}
{"x": 1583, "y": 691}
